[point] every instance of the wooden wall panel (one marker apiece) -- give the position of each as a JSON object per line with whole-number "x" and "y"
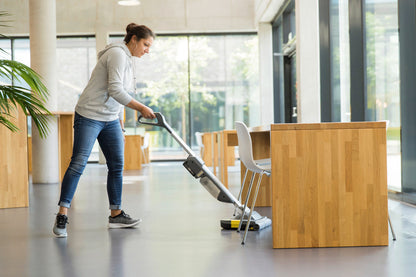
{"x": 14, "y": 184}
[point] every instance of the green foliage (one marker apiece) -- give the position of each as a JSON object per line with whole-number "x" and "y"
{"x": 31, "y": 99}
{"x": 393, "y": 133}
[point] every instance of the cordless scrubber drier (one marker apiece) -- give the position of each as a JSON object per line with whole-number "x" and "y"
{"x": 210, "y": 182}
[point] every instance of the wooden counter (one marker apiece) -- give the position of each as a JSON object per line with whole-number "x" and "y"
{"x": 329, "y": 184}
{"x": 65, "y": 141}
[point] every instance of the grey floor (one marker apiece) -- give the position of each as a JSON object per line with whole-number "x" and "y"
{"x": 179, "y": 236}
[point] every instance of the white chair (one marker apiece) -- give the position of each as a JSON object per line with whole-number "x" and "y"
{"x": 145, "y": 146}
{"x": 245, "y": 150}
{"x": 262, "y": 162}
{"x": 198, "y": 137}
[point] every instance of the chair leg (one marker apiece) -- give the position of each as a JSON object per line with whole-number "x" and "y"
{"x": 245, "y": 202}
{"x": 391, "y": 228}
{"x": 252, "y": 208}
{"x": 241, "y": 190}
{"x": 144, "y": 156}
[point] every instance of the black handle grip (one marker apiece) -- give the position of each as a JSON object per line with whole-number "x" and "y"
{"x": 160, "y": 121}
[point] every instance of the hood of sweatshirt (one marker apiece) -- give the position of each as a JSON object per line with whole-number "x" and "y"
{"x": 105, "y": 94}
{"x": 112, "y": 45}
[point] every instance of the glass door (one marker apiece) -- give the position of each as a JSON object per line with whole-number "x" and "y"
{"x": 284, "y": 66}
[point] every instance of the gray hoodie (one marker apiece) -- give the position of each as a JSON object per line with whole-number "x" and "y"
{"x": 107, "y": 91}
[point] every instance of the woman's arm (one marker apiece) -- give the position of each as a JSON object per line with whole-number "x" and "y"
{"x": 144, "y": 110}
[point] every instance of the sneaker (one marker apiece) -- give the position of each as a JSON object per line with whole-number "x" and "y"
{"x": 122, "y": 220}
{"x": 59, "y": 229}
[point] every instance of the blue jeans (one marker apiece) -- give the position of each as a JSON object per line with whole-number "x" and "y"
{"x": 110, "y": 138}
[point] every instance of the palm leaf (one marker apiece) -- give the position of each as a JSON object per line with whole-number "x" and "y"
{"x": 4, "y": 121}
{"x": 31, "y": 100}
{"x": 13, "y": 69}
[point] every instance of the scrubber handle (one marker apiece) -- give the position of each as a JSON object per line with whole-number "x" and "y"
{"x": 160, "y": 121}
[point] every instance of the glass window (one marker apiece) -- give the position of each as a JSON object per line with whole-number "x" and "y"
{"x": 340, "y": 61}
{"x": 76, "y": 58}
{"x": 6, "y": 54}
{"x": 224, "y": 82}
{"x": 21, "y": 53}
{"x": 163, "y": 85}
{"x": 383, "y": 79}
{"x": 6, "y": 46}
{"x": 199, "y": 83}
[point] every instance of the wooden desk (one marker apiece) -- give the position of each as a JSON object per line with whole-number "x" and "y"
{"x": 210, "y": 156}
{"x": 227, "y": 139}
{"x": 133, "y": 156}
{"x": 207, "y": 154}
{"x": 329, "y": 184}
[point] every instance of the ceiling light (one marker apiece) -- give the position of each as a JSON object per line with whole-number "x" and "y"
{"x": 129, "y": 2}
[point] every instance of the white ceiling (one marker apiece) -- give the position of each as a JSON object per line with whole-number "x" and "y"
{"x": 163, "y": 16}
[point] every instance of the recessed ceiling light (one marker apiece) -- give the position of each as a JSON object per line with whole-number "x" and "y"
{"x": 129, "y": 2}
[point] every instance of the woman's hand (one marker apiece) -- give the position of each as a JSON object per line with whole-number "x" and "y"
{"x": 147, "y": 112}
{"x": 143, "y": 109}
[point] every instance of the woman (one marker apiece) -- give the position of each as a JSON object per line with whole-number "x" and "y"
{"x": 99, "y": 115}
